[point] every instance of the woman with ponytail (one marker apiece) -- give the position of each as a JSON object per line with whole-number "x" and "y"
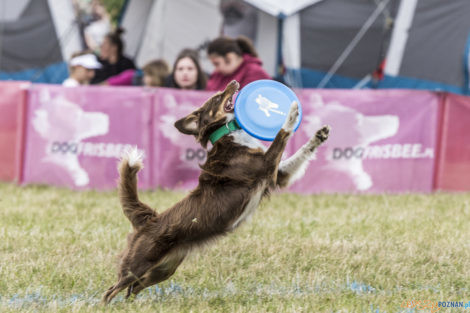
{"x": 112, "y": 58}
{"x": 233, "y": 59}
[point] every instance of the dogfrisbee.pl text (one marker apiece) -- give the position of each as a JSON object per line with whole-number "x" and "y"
{"x": 434, "y": 306}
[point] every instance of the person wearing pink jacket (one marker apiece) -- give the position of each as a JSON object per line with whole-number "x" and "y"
{"x": 233, "y": 59}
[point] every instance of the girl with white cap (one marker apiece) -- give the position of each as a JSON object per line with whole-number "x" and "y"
{"x": 82, "y": 69}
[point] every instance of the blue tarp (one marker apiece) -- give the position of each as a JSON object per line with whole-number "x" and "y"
{"x": 311, "y": 79}
{"x": 52, "y": 74}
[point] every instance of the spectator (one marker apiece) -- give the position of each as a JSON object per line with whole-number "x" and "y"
{"x": 112, "y": 58}
{"x": 187, "y": 72}
{"x": 153, "y": 74}
{"x": 96, "y": 31}
{"x": 82, "y": 69}
{"x": 234, "y": 59}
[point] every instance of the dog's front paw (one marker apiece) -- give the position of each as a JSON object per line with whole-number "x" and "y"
{"x": 322, "y": 134}
{"x": 291, "y": 117}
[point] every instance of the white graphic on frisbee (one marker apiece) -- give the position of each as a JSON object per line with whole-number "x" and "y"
{"x": 267, "y": 106}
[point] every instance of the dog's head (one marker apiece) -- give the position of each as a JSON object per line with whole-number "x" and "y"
{"x": 213, "y": 114}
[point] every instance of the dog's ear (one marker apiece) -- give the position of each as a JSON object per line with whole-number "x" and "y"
{"x": 189, "y": 125}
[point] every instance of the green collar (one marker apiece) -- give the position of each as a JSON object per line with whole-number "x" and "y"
{"x": 224, "y": 130}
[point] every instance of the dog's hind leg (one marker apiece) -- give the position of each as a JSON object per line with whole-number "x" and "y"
{"x": 136, "y": 211}
{"x": 159, "y": 273}
{"x": 129, "y": 277}
{"x": 293, "y": 168}
{"x": 120, "y": 285}
{"x": 130, "y": 289}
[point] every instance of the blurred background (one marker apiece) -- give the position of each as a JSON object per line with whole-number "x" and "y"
{"x": 391, "y": 78}
{"x": 354, "y": 64}
{"x": 420, "y": 44}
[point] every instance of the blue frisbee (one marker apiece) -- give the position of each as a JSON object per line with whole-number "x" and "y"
{"x": 261, "y": 108}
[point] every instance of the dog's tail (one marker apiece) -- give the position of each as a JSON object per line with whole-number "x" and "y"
{"x": 137, "y": 212}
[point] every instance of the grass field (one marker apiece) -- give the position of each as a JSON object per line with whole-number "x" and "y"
{"x": 322, "y": 253}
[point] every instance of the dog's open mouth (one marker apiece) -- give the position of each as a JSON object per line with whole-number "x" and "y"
{"x": 232, "y": 88}
{"x": 229, "y": 105}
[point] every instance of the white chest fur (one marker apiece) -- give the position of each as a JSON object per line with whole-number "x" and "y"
{"x": 243, "y": 138}
{"x": 251, "y": 206}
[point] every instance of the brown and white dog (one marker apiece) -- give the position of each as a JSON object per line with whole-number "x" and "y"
{"x": 238, "y": 173}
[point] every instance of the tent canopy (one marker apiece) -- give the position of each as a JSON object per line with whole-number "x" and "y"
{"x": 311, "y": 43}
{"x": 281, "y": 7}
{"x": 162, "y": 28}
{"x": 415, "y": 43}
{"x": 36, "y": 38}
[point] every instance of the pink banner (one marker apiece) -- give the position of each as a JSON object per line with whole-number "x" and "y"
{"x": 454, "y": 157}
{"x": 75, "y": 135}
{"x": 12, "y": 110}
{"x": 380, "y": 141}
{"x": 177, "y": 155}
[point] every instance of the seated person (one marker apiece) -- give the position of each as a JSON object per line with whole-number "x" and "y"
{"x": 111, "y": 57}
{"x": 153, "y": 74}
{"x": 234, "y": 59}
{"x": 82, "y": 68}
{"x": 187, "y": 72}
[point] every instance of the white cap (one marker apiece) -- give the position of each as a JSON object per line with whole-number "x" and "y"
{"x": 88, "y": 61}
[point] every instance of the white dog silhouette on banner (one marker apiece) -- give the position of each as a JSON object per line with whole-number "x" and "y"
{"x": 191, "y": 152}
{"x": 60, "y": 120}
{"x": 361, "y": 131}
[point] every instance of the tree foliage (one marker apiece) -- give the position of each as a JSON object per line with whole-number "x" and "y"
{"x": 114, "y": 8}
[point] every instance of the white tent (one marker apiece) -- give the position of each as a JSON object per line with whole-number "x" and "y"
{"x": 36, "y": 38}
{"x": 162, "y": 28}
{"x": 323, "y": 43}
{"x": 274, "y": 16}
{"x": 422, "y": 44}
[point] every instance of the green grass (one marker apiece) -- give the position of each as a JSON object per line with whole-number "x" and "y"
{"x": 320, "y": 253}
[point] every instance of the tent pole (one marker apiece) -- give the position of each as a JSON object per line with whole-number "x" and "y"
{"x": 122, "y": 12}
{"x": 404, "y": 19}
{"x": 279, "y": 70}
{"x": 2, "y": 9}
{"x": 466, "y": 63}
{"x": 363, "y": 82}
{"x": 389, "y": 22}
{"x": 344, "y": 55}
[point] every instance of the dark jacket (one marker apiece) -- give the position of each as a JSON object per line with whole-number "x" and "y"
{"x": 107, "y": 70}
